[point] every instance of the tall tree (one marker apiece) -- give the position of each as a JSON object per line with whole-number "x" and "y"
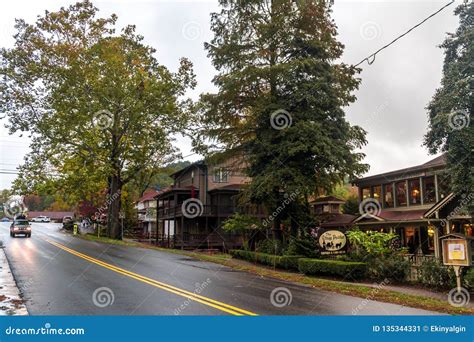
{"x": 451, "y": 127}
{"x": 99, "y": 106}
{"x": 280, "y": 101}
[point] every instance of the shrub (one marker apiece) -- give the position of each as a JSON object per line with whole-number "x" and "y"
{"x": 306, "y": 247}
{"x": 432, "y": 273}
{"x": 371, "y": 243}
{"x": 286, "y": 262}
{"x": 393, "y": 267}
{"x": 346, "y": 269}
{"x": 468, "y": 278}
{"x": 270, "y": 246}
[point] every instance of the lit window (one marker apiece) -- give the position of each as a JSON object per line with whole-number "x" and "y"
{"x": 401, "y": 189}
{"x": 388, "y": 196}
{"x": 365, "y": 193}
{"x": 377, "y": 192}
{"x": 415, "y": 195}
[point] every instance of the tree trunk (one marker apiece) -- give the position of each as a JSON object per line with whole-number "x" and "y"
{"x": 114, "y": 203}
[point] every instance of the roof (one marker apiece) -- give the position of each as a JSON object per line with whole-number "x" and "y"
{"x": 197, "y": 163}
{"x": 230, "y": 187}
{"x": 173, "y": 188}
{"x": 392, "y": 216}
{"x": 437, "y": 162}
{"x": 148, "y": 195}
{"x": 328, "y": 199}
{"x": 55, "y": 215}
{"x": 338, "y": 220}
{"x": 439, "y": 205}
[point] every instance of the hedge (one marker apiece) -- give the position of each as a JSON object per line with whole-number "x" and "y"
{"x": 285, "y": 262}
{"x": 338, "y": 268}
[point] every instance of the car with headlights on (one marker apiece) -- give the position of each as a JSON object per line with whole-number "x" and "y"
{"x": 20, "y": 226}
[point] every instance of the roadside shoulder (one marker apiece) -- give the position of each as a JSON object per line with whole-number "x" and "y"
{"x": 11, "y": 303}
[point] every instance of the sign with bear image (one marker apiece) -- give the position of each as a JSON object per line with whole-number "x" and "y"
{"x": 332, "y": 242}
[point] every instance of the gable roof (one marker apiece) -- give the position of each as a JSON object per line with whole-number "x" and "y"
{"x": 439, "y": 205}
{"x": 148, "y": 195}
{"x": 437, "y": 162}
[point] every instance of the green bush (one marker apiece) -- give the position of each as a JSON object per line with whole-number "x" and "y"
{"x": 393, "y": 267}
{"x": 306, "y": 247}
{"x": 345, "y": 269}
{"x": 285, "y": 262}
{"x": 468, "y": 278}
{"x": 270, "y": 246}
{"x": 432, "y": 273}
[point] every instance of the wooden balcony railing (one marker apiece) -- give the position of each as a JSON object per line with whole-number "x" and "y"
{"x": 211, "y": 210}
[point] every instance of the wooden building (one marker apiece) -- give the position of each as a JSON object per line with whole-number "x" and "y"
{"x": 191, "y": 212}
{"x": 409, "y": 202}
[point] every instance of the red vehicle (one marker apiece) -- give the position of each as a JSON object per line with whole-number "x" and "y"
{"x": 20, "y": 226}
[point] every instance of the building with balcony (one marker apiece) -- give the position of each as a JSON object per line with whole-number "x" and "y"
{"x": 203, "y": 195}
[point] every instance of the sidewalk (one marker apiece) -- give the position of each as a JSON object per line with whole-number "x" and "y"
{"x": 11, "y": 303}
{"x": 419, "y": 291}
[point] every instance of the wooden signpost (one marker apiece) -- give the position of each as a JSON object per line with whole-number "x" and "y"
{"x": 457, "y": 252}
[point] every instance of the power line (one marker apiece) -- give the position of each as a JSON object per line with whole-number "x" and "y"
{"x": 368, "y": 59}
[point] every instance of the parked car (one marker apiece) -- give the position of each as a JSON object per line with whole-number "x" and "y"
{"x": 67, "y": 219}
{"x": 20, "y": 226}
{"x": 5, "y": 219}
{"x": 41, "y": 219}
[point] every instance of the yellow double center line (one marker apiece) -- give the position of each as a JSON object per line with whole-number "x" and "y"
{"x": 180, "y": 292}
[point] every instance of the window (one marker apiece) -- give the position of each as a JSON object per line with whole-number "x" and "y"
{"x": 415, "y": 195}
{"x": 377, "y": 192}
{"x": 401, "y": 189}
{"x": 365, "y": 193}
{"x": 220, "y": 175}
{"x": 443, "y": 186}
{"x": 388, "y": 196}
{"x": 429, "y": 192}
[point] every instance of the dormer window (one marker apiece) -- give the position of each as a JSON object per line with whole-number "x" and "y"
{"x": 221, "y": 175}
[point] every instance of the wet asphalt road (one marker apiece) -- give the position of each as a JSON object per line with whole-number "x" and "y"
{"x": 59, "y": 274}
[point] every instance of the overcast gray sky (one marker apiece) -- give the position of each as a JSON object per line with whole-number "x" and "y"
{"x": 392, "y": 97}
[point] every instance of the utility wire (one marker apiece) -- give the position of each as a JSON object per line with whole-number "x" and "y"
{"x": 371, "y": 58}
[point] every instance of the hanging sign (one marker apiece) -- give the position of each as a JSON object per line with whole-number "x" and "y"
{"x": 332, "y": 242}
